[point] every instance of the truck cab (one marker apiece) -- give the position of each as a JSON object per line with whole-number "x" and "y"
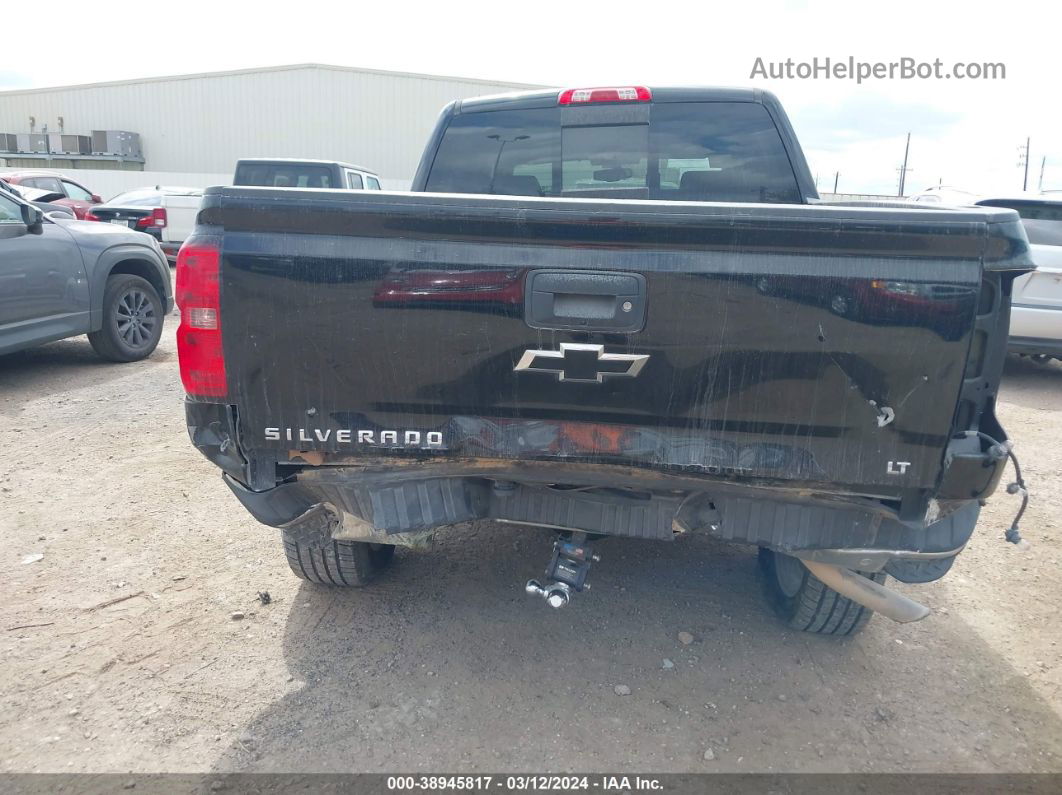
{"x": 283, "y": 172}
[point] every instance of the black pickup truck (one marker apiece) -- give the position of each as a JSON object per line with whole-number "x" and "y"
{"x": 609, "y": 312}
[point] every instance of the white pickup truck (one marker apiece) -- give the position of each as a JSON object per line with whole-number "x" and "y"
{"x": 165, "y": 213}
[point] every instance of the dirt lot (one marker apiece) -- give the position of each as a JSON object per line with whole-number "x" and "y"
{"x": 118, "y": 651}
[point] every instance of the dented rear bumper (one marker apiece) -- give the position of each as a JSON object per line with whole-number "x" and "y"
{"x": 396, "y": 508}
{"x": 397, "y": 500}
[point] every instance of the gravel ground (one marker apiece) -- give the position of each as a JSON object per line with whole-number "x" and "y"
{"x": 119, "y": 652}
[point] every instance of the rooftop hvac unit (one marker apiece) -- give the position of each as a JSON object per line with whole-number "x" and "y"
{"x": 69, "y": 144}
{"x": 116, "y": 142}
{"x": 8, "y": 142}
{"x": 32, "y": 142}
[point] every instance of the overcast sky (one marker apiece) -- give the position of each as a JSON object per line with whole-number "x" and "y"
{"x": 964, "y": 132}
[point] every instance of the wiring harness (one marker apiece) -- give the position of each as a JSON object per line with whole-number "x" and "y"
{"x": 998, "y": 451}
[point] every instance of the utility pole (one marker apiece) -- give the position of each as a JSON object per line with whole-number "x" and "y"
{"x": 1043, "y": 164}
{"x": 1023, "y": 160}
{"x": 903, "y": 169}
{"x": 903, "y": 172}
{"x": 836, "y": 176}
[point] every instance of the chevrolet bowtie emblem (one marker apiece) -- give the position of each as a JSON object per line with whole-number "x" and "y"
{"x": 587, "y": 364}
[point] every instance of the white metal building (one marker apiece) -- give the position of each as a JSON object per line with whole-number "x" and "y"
{"x": 200, "y": 124}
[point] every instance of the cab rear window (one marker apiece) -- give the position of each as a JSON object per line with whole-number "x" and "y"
{"x": 690, "y": 151}
{"x": 284, "y": 175}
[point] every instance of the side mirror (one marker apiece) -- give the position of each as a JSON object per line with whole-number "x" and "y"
{"x": 96, "y": 199}
{"x": 33, "y": 217}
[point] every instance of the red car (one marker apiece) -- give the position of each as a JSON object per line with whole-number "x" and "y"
{"x": 78, "y": 198}
{"x": 477, "y": 289}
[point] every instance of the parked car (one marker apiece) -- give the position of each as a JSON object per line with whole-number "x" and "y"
{"x": 62, "y": 278}
{"x": 283, "y": 172}
{"x": 937, "y": 305}
{"x": 165, "y": 213}
{"x": 475, "y": 290}
{"x": 1036, "y": 306}
{"x": 631, "y": 380}
{"x": 943, "y": 194}
{"x": 73, "y": 194}
{"x": 39, "y": 198}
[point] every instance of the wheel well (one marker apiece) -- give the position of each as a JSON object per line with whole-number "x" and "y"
{"x": 145, "y": 270}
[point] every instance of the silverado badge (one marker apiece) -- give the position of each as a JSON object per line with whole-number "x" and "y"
{"x": 581, "y": 363}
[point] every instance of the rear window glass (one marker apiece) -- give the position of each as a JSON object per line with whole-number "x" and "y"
{"x": 691, "y": 151}
{"x": 287, "y": 175}
{"x": 50, "y": 184}
{"x": 138, "y": 198}
{"x": 1042, "y": 222}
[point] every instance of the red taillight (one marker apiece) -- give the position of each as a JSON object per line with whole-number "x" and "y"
{"x": 90, "y": 216}
{"x": 157, "y": 218}
{"x": 581, "y": 96}
{"x": 198, "y": 295}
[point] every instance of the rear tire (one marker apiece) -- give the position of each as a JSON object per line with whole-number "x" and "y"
{"x": 315, "y": 557}
{"x": 841, "y": 305}
{"x": 132, "y": 320}
{"x": 805, "y": 603}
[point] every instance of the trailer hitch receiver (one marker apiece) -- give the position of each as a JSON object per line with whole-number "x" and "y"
{"x": 567, "y": 570}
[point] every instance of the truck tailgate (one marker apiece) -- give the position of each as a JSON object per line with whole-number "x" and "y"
{"x": 807, "y": 344}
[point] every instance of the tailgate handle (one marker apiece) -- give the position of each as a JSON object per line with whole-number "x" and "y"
{"x": 585, "y": 300}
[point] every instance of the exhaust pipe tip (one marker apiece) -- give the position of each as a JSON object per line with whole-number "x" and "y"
{"x": 868, "y": 593}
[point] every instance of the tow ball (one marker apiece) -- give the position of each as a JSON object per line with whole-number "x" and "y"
{"x": 567, "y": 570}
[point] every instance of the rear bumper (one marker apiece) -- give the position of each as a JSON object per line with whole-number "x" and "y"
{"x": 170, "y": 250}
{"x": 400, "y": 500}
{"x": 392, "y": 507}
{"x": 1035, "y": 329}
{"x": 1035, "y": 345}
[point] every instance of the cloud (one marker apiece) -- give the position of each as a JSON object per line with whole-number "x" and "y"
{"x": 957, "y": 140}
{"x": 964, "y": 132}
{"x": 865, "y": 117}
{"x": 10, "y": 79}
